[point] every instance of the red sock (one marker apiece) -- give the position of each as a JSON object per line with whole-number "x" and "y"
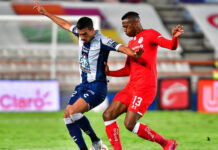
{"x": 147, "y": 133}
{"x": 112, "y": 131}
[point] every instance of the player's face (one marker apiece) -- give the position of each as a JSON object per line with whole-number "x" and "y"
{"x": 129, "y": 27}
{"x": 86, "y": 34}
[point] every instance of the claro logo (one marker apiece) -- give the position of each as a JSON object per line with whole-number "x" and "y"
{"x": 14, "y": 102}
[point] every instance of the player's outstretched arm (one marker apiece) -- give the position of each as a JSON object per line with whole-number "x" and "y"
{"x": 130, "y": 52}
{"x": 171, "y": 44}
{"x": 59, "y": 21}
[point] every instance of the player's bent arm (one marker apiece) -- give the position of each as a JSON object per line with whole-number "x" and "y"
{"x": 119, "y": 73}
{"x": 157, "y": 38}
{"x": 125, "y": 71}
{"x": 170, "y": 44}
{"x": 59, "y": 21}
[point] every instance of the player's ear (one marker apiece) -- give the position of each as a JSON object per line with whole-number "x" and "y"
{"x": 137, "y": 23}
{"x": 92, "y": 29}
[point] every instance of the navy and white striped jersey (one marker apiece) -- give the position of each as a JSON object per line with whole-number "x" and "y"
{"x": 93, "y": 55}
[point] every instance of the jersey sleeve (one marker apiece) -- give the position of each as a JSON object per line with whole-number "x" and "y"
{"x": 125, "y": 71}
{"x": 170, "y": 44}
{"x": 110, "y": 44}
{"x": 73, "y": 29}
{"x": 158, "y": 39}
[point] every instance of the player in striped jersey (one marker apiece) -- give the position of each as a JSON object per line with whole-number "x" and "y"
{"x": 94, "y": 49}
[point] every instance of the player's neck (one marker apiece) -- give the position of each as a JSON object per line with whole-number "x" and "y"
{"x": 138, "y": 31}
{"x": 93, "y": 36}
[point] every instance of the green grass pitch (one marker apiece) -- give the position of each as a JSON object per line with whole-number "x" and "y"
{"x": 47, "y": 131}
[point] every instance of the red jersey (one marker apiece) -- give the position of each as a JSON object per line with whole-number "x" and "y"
{"x": 142, "y": 71}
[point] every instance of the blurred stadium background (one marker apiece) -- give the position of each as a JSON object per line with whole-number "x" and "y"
{"x": 38, "y": 60}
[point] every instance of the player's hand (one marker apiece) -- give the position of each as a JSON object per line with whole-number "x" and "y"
{"x": 139, "y": 53}
{"x": 106, "y": 71}
{"x": 177, "y": 31}
{"x": 39, "y": 8}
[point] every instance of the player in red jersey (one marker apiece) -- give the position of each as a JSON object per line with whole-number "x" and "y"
{"x": 140, "y": 92}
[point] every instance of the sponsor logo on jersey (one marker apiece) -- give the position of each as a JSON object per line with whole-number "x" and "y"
{"x": 140, "y": 40}
{"x": 137, "y": 47}
{"x": 84, "y": 64}
{"x": 85, "y": 49}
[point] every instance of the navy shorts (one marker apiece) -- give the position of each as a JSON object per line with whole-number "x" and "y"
{"x": 93, "y": 93}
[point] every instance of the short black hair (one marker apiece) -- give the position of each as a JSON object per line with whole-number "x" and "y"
{"x": 130, "y": 14}
{"x": 84, "y": 22}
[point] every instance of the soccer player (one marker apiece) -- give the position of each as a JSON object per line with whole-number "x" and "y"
{"x": 94, "y": 49}
{"x": 141, "y": 89}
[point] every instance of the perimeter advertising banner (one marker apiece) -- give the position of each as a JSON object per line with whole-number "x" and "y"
{"x": 29, "y": 96}
{"x": 174, "y": 94}
{"x": 207, "y": 96}
{"x": 198, "y": 1}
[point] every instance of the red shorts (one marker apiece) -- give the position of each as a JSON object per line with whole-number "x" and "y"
{"x": 136, "y": 101}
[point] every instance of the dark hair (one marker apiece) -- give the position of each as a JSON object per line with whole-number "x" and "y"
{"x": 84, "y": 22}
{"x": 130, "y": 14}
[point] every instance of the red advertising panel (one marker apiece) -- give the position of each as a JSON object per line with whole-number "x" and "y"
{"x": 174, "y": 93}
{"x": 208, "y": 96}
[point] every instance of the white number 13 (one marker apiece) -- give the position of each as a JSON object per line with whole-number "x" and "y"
{"x": 137, "y": 101}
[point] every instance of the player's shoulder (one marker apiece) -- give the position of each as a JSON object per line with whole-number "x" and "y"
{"x": 104, "y": 38}
{"x": 108, "y": 41}
{"x": 99, "y": 37}
{"x": 151, "y": 32}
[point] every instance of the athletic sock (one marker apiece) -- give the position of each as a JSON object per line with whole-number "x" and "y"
{"x": 112, "y": 131}
{"x": 85, "y": 125}
{"x": 147, "y": 133}
{"x": 76, "y": 134}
